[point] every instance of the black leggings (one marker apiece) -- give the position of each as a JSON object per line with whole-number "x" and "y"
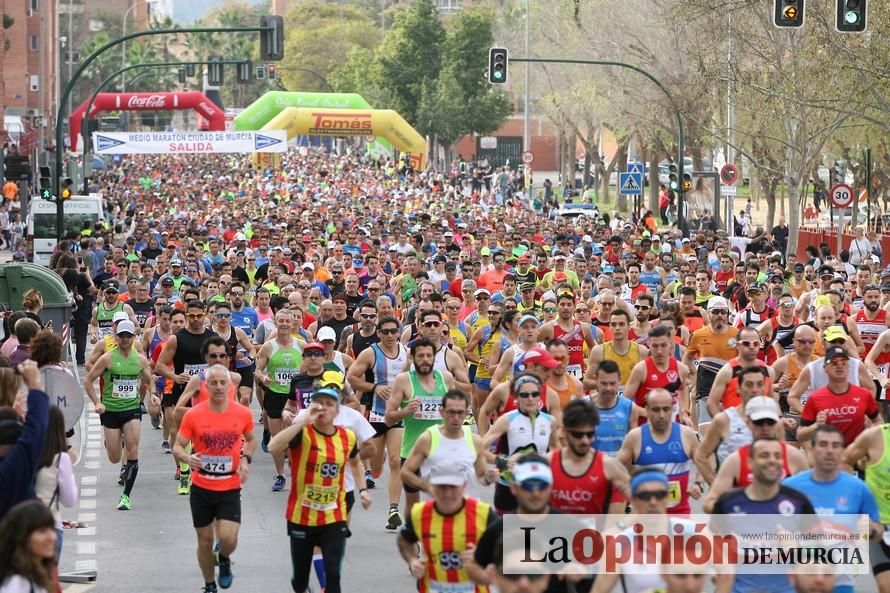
{"x": 332, "y": 541}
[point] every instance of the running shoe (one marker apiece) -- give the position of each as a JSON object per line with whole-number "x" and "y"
{"x": 156, "y": 422}
{"x": 278, "y": 483}
{"x": 369, "y": 480}
{"x": 267, "y": 436}
{"x": 185, "y": 486}
{"x": 394, "y": 520}
{"x": 225, "y": 572}
{"x": 165, "y": 447}
{"x": 209, "y": 588}
{"x": 124, "y": 503}
{"x": 122, "y": 477}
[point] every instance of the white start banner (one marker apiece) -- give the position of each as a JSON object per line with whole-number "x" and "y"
{"x": 189, "y": 142}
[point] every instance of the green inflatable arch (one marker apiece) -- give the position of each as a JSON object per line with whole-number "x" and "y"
{"x": 261, "y": 111}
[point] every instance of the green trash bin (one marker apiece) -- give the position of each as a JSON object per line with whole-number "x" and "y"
{"x": 16, "y": 278}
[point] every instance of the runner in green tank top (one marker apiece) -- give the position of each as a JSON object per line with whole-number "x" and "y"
{"x": 106, "y": 307}
{"x": 277, "y": 362}
{"x": 126, "y": 375}
{"x": 416, "y": 399}
{"x": 871, "y": 451}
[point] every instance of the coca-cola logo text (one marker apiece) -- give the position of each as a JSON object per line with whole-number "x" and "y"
{"x": 149, "y": 102}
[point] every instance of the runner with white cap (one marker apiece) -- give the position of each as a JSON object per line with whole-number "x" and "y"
{"x": 126, "y": 375}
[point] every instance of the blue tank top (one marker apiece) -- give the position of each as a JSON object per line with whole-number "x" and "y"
{"x": 652, "y": 280}
{"x": 671, "y": 458}
{"x": 613, "y": 427}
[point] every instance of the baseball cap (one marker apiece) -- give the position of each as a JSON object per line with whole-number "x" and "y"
{"x": 119, "y": 316}
{"x": 525, "y": 318}
{"x": 527, "y": 286}
{"x": 798, "y": 267}
{"x": 175, "y": 262}
{"x": 307, "y": 266}
{"x": 167, "y": 282}
{"x": 762, "y": 408}
{"x": 826, "y": 270}
{"x": 834, "y": 333}
{"x": 481, "y": 291}
{"x": 313, "y": 346}
{"x": 447, "y": 234}
{"x": 538, "y": 356}
{"x": 485, "y": 251}
{"x": 335, "y": 378}
{"x": 835, "y": 352}
{"x": 587, "y": 239}
{"x": 110, "y": 285}
{"x": 126, "y": 327}
{"x": 717, "y": 302}
{"x": 532, "y": 470}
{"x": 523, "y": 259}
{"x": 685, "y": 240}
{"x": 448, "y": 473}
{"x": 325, "y": 392}
{"x": 326, "y": 333}
{"x": 756, "y": 287}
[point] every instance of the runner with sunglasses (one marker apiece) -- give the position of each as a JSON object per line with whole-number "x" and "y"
{"x": 373, "y": 374}
{"x": 725, "y": 389}
{"x": 238, "y": 345}
{"x": 180, "y": 360}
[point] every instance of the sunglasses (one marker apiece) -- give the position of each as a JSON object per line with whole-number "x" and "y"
{"x": 369, "y": 315}
{"x": 764, "y": 422}
{"x": 580, "y": 434}
{"x": 195, "y": 315}
{"x": 749, "y": 343}
{"x": 223, "y": 315}
{"x": 387, "y": 332}
{"x": 432, "y": 323}
{"x": 312, "y": 353}
{"x": 549, "y": 310}
{"x": 652, "y": 494}
{"x": 720, "y": 311}
{"x": 236, "y": 293}
{"x": 482, "y": 297}
{"x": 534, "y": 485}
{"x": 527, "y": 394}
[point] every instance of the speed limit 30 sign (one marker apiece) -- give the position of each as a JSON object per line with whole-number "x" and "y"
{"x": 841, "y": 195}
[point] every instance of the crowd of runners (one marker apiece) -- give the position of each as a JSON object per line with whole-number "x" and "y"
{"x": 453, "y": 342}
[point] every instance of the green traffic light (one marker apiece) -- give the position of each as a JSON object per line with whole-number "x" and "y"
{"x": 852, "y": 17}
{"x": 499, "y": 75}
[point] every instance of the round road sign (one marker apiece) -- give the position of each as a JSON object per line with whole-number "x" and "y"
{"x": 841, "y": 195}
{"x": 528, "y": 157}
{"x": 729, "y": 174}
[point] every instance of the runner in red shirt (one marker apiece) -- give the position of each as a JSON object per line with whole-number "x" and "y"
{"x": 839, "y": 403}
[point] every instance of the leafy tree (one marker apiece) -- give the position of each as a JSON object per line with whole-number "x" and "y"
{"x": 315, "y": 24}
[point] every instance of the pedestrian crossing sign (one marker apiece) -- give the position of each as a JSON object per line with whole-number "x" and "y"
{"x": 630, "y": 184}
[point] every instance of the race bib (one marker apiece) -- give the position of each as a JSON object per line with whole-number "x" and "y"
{"x": 217, "y": 465}
{"x": 105, "y": 331}
{"x": 194, "y": 369}
{"x": 374, "y": 416}
{"x": 429, "y": 409}
{"x": 575, "y": 371}
{"x": 674, "y": 494}
{"x": 124, "y": 388}
{"x": 440, "y": 587}
{"x": 283, "y": 376}
{"x": 320, "y": 498}
{"x": 620, "y": 390}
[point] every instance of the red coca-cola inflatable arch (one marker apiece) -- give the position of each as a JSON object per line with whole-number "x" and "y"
{"x": 198, "y": 101}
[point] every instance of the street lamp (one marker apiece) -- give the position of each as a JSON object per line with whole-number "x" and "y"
{"x": 124, "y": 44}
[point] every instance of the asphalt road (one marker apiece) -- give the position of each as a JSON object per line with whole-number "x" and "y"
{"x": 151, "y": 548}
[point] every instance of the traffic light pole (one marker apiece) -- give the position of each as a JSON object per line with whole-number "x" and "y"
{"x": 86, "y": 115}
{"x": 69, "y": 88}
{"x": 681, "y": 137}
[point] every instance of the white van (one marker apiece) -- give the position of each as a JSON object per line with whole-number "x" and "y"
{"x": 42, "y": 223}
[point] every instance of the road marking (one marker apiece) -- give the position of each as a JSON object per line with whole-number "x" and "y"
{"x": 91, "y": 465}
{"x": 89, "y": 480}
{"x": 85, "y": 565}
{"x": 92, "y": 453}
{"x": 78, "y": 587}
{"x": 86, "y": 517}
{"x": 88, "y": 504}
{"x": 86, "y": 531}
{"x": 86, "y": 548}
{"x": 87, "y": 492}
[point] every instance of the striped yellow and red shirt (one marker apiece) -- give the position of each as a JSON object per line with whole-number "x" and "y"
{"x": 318, "y": 465}
{"x": 443, "y": 538}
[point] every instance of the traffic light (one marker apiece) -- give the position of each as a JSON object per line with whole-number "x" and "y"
{"x": 838, "y": 174}
{"x": 270, "y": 72}
{"x": 687, "y": 182}
{"x": 788, "y": 13}
{"x": 272, "y": 38}
{"x": 182, "y": 76}
{"x": 190, "y": 70}
{"x": 244, "y": 69}
{"x": 498, "y": 58}
{"x": 46, "y": 185}
{"x": 66, "y": 192}
{"x": 261, "y": 72}
{"x": 215, "y": 71}
{"x": 851, "y": 16}
{"x": 673, "y": 178}
{"x": 17, "y": 167}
